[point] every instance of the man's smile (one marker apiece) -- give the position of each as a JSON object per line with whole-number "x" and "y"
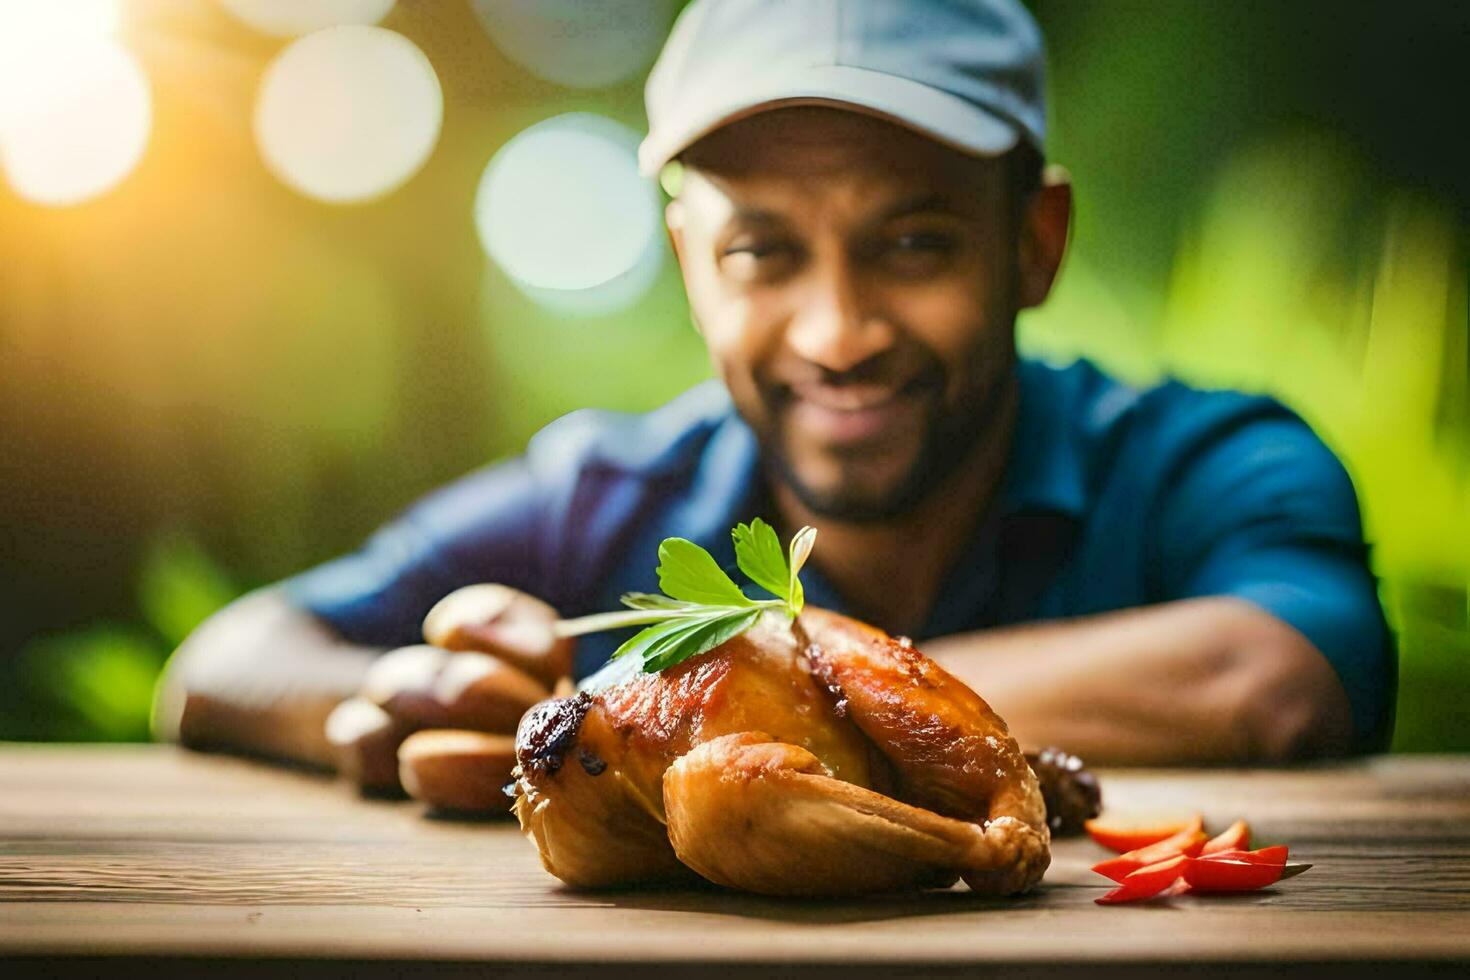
{"x": 854, "y": 413}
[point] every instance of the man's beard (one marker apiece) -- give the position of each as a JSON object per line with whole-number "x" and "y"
{"x": 948, "y": 441}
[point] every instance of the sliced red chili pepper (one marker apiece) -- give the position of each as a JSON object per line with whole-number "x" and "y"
{"x": 1236, "y": 838}
{"x": 1187, "y": 842}
{"x": 1266, "y": 855}
{"x": 1148, "y": 881}
{"x": 1117, "y": 868}
{"x": 1215, "y": 875}
{"x": 1124, "y": 837}
{"x": 1180, "y": 887}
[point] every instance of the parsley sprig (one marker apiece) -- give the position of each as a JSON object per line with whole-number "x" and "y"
{"x": 701, "y": 606}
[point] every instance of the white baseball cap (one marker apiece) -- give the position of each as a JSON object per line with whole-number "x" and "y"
{"x": 968, "y": 73}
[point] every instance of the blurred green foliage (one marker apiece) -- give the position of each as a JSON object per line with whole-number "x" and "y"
{"x": 93, "y": 685}
{"x": 179, "y": 586}
{"x": 1302, "y": 280}
{"x": 211, "y": 383}
{"x": 96, "y": 683}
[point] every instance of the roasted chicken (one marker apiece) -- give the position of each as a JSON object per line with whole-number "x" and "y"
{"x": 820, "y": 758}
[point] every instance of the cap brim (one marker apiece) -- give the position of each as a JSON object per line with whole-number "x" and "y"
{"x": 939, "y": 115}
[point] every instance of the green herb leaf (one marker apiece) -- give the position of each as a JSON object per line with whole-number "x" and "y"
{"x": 679, "y": 639}
{"x": 638, "y": 644}
{"x": 599, "y": 622}
{"x": 701, "y": 606}
{"x": 759, "y": 555}
{"x": 650, "y": 600}
{"x": 686, "y": 571}
{"x": 697, "y": 638}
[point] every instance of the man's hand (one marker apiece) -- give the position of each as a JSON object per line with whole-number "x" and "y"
{"x": 259, "y": 676}
{"x": 440, "y": 719}
{"x": 1214, "y": 680}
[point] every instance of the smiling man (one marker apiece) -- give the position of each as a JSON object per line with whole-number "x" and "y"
{"x": 1139, "y": 576}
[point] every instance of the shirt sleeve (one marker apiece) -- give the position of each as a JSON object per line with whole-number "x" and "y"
{"x": 1266, "y": 513}
{"x": 482, "y": 528}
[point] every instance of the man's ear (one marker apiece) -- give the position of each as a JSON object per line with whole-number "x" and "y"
{"x": 674, "y": 225}
{"x": 1045, "y": 227}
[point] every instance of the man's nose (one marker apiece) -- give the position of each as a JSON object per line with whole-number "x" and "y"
{"x": 836, "y": 326}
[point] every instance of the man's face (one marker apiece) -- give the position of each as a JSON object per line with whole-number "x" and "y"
{"x": 856, "y": 284}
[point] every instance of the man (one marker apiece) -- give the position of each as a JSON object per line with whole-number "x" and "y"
{"x": 862, "y": 214}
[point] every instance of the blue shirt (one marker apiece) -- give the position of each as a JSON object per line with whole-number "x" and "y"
{"x": 1113, "y": 497}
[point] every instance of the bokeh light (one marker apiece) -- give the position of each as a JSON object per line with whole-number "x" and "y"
{"x": 75, "y": 106}
{"x": 348, "y": 113}
{"x": 292, "y": 18}
{"x": 562, "y": 209}
{"x": 23, "y": 22}
{"x": 617, "y": 293}
{"x": 574, "y": 42}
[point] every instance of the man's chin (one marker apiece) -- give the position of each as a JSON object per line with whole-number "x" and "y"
{"x": 859, "y": 498}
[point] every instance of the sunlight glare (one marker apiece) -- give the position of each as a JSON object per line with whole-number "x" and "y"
{"x": 75, "y": 106}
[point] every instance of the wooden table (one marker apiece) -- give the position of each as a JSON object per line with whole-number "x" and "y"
{"x": 157, "y": 859}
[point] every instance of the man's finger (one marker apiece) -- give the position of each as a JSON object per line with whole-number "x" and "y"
{"x": 364, "y": 740}
{"x": 402, "y": 681}
{"x": 499, "y": 620}
{"x": 427, "y": 687}
{"x": 458, "y": 770}
{"x": 484, "y": 693}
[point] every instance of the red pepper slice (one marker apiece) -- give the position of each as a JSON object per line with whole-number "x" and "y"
{"x": 1117, "y": 868}
{"x": 1149, "y": 881}
{"x": 1235, "y": 838}
{"x": 1124, "y": 837}
{"x": 1187, "y": 842}
{"x": 1180, "y": 887}
{"x": 1215, "y": 875}
{"x": 1266, "y": 855}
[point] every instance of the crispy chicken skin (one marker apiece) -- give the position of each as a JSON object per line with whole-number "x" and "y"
{"x": 843, "y": 764}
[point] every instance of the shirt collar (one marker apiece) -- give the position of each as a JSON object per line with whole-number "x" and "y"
{"x": 1046, "y": 467}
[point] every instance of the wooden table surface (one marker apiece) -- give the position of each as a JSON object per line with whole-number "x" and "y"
{"x": 156, "y": 859}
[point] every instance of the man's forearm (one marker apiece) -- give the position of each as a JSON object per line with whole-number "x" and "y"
{"x": 1206, "y": 680}
{"x": 260, "y": 676}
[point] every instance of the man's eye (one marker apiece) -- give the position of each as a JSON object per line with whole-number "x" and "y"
{"x": 923, "y": 242}
{"x": 758, "y": 250}
{"x": 762, "y": 261}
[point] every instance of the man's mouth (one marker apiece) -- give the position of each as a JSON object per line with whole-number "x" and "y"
{"x": 853, "y": 413}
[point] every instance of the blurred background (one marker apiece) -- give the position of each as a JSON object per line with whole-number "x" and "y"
{"x": 270, "y": 269}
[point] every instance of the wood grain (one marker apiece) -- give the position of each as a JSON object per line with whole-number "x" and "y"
{"x": 152, "y": 852}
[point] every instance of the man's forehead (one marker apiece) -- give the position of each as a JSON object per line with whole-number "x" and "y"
{"x": 804, "y": 142}
{"x": 809, "y": 160}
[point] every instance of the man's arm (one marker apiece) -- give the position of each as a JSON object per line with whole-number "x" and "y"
{"x": 1199, "y": 680}
{"x": 1260, "y": 638}
{"x": 260, "y": 676}
{"x": 263, "y": 674}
